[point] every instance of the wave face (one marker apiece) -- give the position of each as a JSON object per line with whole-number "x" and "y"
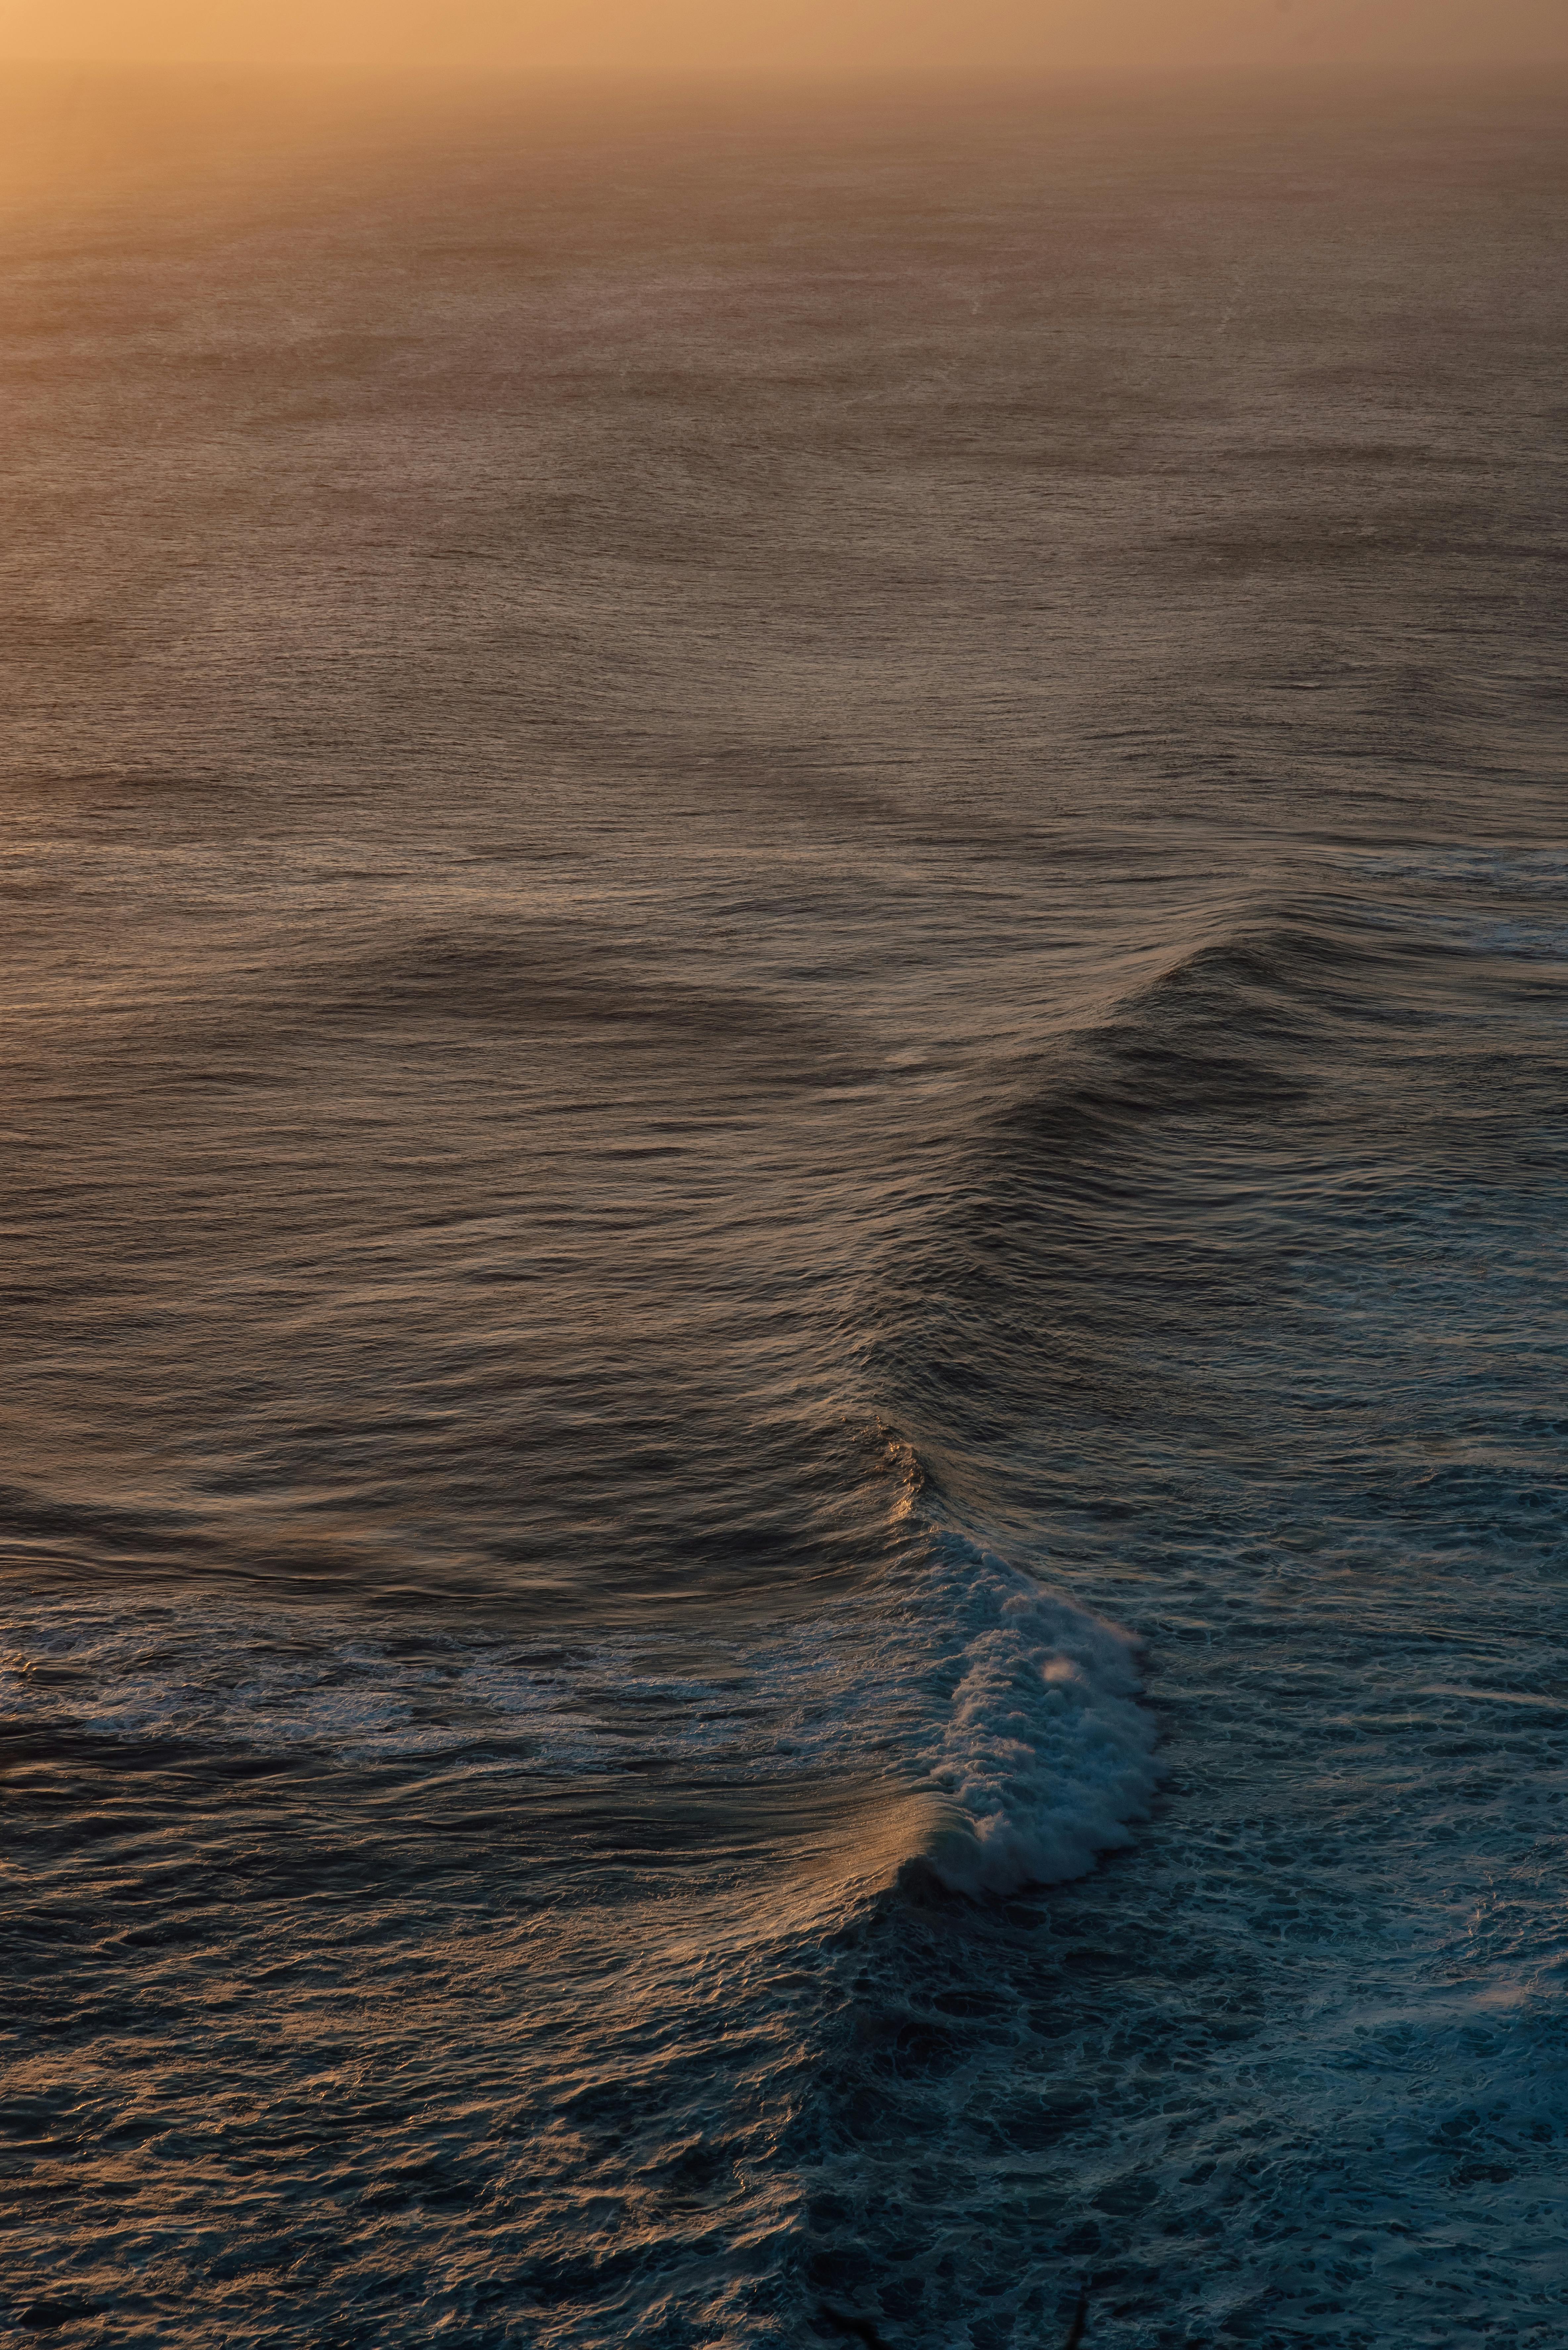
{"x": 780, "y": 1510}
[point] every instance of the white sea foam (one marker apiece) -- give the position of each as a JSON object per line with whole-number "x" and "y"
{"x": 1045, "y": 1755}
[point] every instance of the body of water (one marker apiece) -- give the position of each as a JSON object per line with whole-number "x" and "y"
{"x": 782, "y": 1515}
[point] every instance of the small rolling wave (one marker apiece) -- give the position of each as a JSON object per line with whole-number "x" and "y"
{"x": 1046, "y": 1756}
{"x": 1003, "y": 1717}
{"x": 1026, "y": 1734}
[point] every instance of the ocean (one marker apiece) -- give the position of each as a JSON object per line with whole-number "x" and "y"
{"x": 783, "y": 1506}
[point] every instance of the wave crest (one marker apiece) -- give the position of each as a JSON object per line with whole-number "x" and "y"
{"x": 1045, "y": 1755}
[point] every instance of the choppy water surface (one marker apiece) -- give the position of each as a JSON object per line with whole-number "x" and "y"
{"x": 786, "y": 948}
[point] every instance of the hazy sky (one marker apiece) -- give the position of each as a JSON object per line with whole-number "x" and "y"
{"x": 790, "y": 36}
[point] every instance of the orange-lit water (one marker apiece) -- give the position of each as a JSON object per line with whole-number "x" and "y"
{"x": 786, "y": 948}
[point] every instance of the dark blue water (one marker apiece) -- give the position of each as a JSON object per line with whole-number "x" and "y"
{"x": 787, "y": 944}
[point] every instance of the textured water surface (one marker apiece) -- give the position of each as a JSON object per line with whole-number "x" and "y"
{"x": 782, "y": 1511}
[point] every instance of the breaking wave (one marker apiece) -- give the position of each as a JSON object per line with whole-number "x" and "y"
{"x": 1045, "y": 1755}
